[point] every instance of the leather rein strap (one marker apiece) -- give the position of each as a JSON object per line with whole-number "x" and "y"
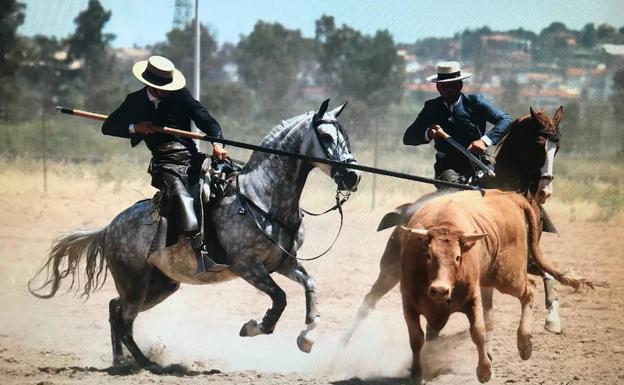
{"x": 247, "y": 203}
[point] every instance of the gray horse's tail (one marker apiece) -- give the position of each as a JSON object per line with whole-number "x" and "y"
{"x": 64, "y": 260}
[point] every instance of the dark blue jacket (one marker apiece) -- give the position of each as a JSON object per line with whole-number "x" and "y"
{"x": 175, "y": 111}
{"x": 465, "y": 124}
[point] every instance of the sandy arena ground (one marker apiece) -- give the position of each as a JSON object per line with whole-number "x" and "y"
{"x": 65, "y": 340}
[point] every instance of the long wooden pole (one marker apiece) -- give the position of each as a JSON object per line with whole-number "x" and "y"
{"x": 352, "y": 166}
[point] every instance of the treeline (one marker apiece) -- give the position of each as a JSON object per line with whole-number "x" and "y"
{"x": 552, "y": 45}
{"x": 270, "y": 74}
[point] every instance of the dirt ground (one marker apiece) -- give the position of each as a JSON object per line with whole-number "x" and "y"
{"x": 65, "y": 340}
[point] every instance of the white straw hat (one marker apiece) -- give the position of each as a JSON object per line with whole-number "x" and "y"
{"x": 159, "y": 72}
{"x": 448, "y": 71}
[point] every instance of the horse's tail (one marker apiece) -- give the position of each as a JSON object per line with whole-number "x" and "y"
{"x": 566, "y": 278}
{"x": 71, "y": 247}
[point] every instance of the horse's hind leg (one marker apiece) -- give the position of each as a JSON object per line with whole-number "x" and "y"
{"x": 258, "y": 276}
{"x": 142, "y": 295}
{"x": 114, "y": 317}
{"x": 294, "y": 271}
{"x": 389, "y": 276}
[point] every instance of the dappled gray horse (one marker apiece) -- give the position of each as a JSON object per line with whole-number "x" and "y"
{"x": 256, "y": 222}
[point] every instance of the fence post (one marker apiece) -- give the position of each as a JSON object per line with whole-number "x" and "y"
{"x": 44, "y": 151}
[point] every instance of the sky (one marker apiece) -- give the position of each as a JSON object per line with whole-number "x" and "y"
{"x": 144, "y": 22}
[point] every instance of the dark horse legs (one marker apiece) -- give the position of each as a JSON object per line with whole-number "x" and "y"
{"x": 258, "y": 276}
{"x": 124, "y": 310}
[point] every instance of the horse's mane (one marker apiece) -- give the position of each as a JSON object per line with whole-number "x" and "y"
{"x": 277, "y": 131}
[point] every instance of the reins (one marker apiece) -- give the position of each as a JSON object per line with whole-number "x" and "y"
{"x": 248, "y": 203}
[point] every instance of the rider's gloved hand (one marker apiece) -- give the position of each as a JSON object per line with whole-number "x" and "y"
{"x": 145, "y": 128}
{"x": 219, "y": 152}
{"x": 477, "y": 147}
{"x": 435, "y": 132}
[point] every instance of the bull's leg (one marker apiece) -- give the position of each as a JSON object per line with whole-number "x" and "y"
{"x": 525, "y": 346}
{"x": 417, "y": 340}
{"x": 487, "y": 299}
{"x": 474, "y": 312}
{"x": 553, "y": 321}
{"x": 294, "y": 271}
{"x": 389, "y": 276}
{"x": 258, "y": 276}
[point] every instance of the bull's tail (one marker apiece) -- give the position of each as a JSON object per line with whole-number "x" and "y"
{"x": 534, "y": 235}
{"x": 64, "y": 260}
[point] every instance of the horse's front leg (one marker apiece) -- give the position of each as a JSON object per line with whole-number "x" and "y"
{"x": 258, "y": 276}
{"x": 293, "y": 270}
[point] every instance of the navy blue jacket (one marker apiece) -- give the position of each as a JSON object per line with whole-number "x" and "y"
{"x": 175, "y": 111}
{"x": 465, "y": 124}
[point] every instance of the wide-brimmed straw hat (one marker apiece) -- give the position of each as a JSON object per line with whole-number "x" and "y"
{"x": 159, "y": 72}
{"x": 448, "y": 71}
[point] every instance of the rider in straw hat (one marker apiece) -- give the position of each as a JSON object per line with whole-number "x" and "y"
{"x": 176, "y": 162}
{"x": 462, "y": 116}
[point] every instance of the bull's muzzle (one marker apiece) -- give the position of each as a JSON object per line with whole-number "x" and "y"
{"x": 439, "y": 292}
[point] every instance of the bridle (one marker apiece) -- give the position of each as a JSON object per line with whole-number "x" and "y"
{"x": 341, "y": 146}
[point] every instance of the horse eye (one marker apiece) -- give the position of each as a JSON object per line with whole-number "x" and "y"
{"x": 327, "y": 138}
{"x": 458, "y": 259}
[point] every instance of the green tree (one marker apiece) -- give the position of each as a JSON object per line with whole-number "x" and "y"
{"x": 617, "y": 100}
{"x": 90, "y": 53}
{"x": 11, "y": 17}
{"x": 180, "y": 49}
{"x": 553, "y": 45}
{"x": 45, "y": 75}
{"x": 363, "y": 69}
{"x": 589, "y": 36}
{"x": 606, "y": 33}
{"x": 270, "y": 62}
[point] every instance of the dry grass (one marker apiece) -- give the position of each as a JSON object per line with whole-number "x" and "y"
{"x": 585, "y": 190}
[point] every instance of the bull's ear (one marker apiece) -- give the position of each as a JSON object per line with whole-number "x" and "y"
{"x": 419, "y": 233}
{"x": 467, "y": 240}
{"x": 557, "y": 117}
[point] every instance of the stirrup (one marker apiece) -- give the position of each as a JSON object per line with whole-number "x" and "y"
{"x": 201, "y": 261}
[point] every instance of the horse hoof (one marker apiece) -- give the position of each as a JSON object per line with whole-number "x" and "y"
{"x": 416, "y": 380}
{"x": 553, "y": 322}
{"x": 304, "y": 344}
{"x": 154, "y": 368}
{"x": 251, "y": 329}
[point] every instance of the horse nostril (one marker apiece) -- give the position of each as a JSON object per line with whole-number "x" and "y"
{"x": 350, "y": 180}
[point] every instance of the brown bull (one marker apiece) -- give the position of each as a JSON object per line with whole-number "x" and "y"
{"x": 459, "y": 242}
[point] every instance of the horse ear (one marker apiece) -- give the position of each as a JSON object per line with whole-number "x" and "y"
{"x": 338, "y": 110}
{"x": 557, "y": 117}
{"x": 532, "y": 113}
{"x": 321, "y": 112}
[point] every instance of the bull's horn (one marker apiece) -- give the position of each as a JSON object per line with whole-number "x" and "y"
{"x": 473, "y": 237}
{"x": 416, "y": 231}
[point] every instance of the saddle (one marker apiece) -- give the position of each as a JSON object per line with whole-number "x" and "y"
{"x": 214, "y": 179}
